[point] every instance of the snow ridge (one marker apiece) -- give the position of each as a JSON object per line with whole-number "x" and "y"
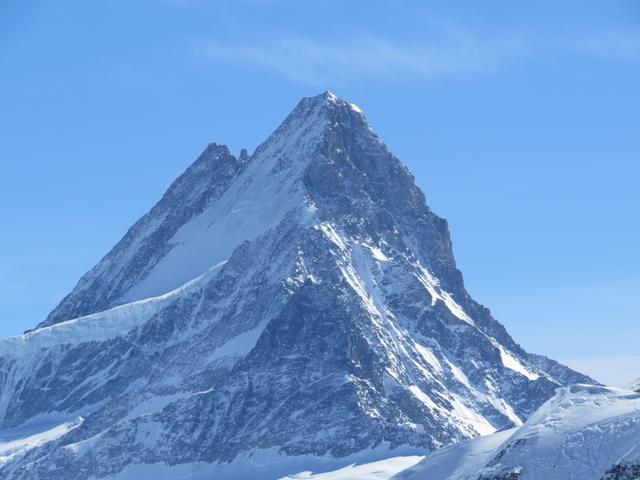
{"x": 579, "y": 434}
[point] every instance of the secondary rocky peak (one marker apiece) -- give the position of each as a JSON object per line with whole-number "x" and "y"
{"x": 244, "y": 156}
{"x": 112, "y": 280}
{"x": 211, "y": 167}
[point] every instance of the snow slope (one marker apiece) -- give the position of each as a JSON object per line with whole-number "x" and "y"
{"x": 584, "y": 432}
{"x": 380, "y": 470}
{"x": 17, "y": 441}
{"x": 378, "y": 464}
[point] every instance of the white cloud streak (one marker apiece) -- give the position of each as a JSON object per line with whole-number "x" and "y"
{"x": 307, "y": 60}
{"x": 310, "y": 61}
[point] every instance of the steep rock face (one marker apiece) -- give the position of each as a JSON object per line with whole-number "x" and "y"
{"x": 305, "y": 299}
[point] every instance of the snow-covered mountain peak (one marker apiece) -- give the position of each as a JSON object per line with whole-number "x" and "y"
{"x": 331, "y": 98}
{"x": 304, "y": 299}
{"x": 313, "y": 118}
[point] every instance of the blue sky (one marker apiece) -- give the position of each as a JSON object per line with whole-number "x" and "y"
{"x": 518, "y": 119}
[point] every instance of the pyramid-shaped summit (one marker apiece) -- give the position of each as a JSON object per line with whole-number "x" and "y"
{"x": 304, "y": 300}
{"x": 154, "y": 258}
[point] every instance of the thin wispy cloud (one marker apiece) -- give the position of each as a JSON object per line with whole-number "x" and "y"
{"x": 312, "y": 61}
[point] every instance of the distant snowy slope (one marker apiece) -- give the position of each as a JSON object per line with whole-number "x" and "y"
{"x": 634, "y": 385}
{"x": 585, "y": 432}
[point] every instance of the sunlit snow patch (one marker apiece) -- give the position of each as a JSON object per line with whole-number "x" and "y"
{"x": 512, "y": 363}
{"x": 101, "y": 326}
{"x": 17, "y": 441}
{"x": 380, "y": 470}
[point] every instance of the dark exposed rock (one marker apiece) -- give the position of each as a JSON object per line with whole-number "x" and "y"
{"x": 623, "y": 472}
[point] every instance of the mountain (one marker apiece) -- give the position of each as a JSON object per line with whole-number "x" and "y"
{"x": 584, "y": 432}
{"x": 634, "y": 385}
{"x": 303, "y": 302}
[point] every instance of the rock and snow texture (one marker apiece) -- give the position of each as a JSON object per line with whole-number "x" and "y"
{"x": 584, "y": 432}
{"x": 304, "y": 299}
{"x": 635, "y": 386}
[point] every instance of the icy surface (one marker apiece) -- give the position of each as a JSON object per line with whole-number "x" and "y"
{"x": 461, "y": 461}
{"x": 577, "y": 435}
{"x": 97, "y": 327}
{"x": 380, "y": 470}
{"x": 509, "y": 361}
